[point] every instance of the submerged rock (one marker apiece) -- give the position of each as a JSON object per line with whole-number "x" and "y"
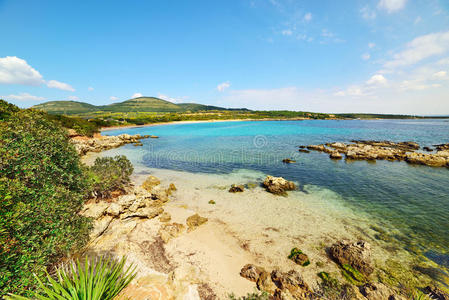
{"x": 304, "y": 150}
{"x": 288, "y": 161}
{"x": 377, "y": 291}
{"x": 194, "y": 221}
{"x": 357, "y": 255}
{"x": 278, "y": 185}
{"x": 236, "y": 188}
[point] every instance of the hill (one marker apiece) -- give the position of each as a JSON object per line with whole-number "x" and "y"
{"x": 141, "y": 104}
{"x": 66, "y": 107}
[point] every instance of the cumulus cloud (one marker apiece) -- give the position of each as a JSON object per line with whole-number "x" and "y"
{"x": 73, "y": 98}
{"x": 90, "y": 89}
{"x": 136, "y": 95}
{"x": 377, "y": 79}
{"x": 354, "y": 91}
{"x": 366, "y": 56}
{"x": 421, "y": 48}
{"x": 171, "y": 99}
{"x": 14, "y": 70}
{"x": 392, "y": 5}
{"x": 223, "y": 86}
{"x": 113, "y": 98}
{"x": 54, "y": 84}
{"x": 23, "y": 97}
{"x": 307, "y": 17}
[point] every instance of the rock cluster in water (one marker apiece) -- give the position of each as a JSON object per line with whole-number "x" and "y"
{"x": 84, "y": 145}
{"x": 385, "y": 150}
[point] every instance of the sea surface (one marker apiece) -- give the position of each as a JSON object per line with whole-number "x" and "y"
{"x": 409, "y": 203}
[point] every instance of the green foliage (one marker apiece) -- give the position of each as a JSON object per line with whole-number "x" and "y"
{"x": 295, "y": 255}
{"x": 109, "y": 174}
{"x": 42, "y": 189}
{"x": 331, "y": 288}
{"x": 101, "y": 279}
{"x": 256, "y": 295}
{"x": 81, "y": 126}
{"x": 352, "y": 275}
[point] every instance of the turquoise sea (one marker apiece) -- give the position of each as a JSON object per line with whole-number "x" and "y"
{"x": 409, "y": 203}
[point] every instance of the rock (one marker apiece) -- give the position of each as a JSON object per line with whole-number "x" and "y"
{"x": 304, "y": 150}
{"x": 165, "y": 217}
{"x": 288, "y": 161}
{"x": 428, "y": 149}
{"x": 211, "y": 202}
{"x": 100, "y": 226}
{"x": 377, "y": 291}
{"x": 150, "y": 183}
{"x": 84, "y": 145}
{"x": 291, "y": 281}
{"x": 194, "y": 221}
{"x": 169, "y": 231}
{"x": 154, "y": 136}
{"x": 427, "y": 159}
{"x": 302, "y": 147}
{"x": 357, "y": 255}
{"x": 278, "y": 185}
{"x": 436, "y": 293}
{"x": 442, "y": 147}
{"x": 114, "y": 209}
{"x": 282, "y": 295}
{"x": 236, "y": 188}
{"x": 265, "y": 284}
{"x": 299, "y": 257}
{"x": 316, "y": 147}
{"x": 251, "y": 272}
{"x": 145, "y": 213}
{"x": 95, "y": 210}
{"x": 126, "y": 200}
{"x": 335, "y": 155}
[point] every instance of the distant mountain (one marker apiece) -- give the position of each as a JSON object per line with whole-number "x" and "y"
{"x": 66, "y": 107}
{"x": 141, "y": 104}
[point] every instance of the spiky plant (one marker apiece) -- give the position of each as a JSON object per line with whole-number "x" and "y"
{"x": 96, "y": 279}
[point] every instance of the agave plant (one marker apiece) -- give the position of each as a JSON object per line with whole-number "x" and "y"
{"x": 98, "y": 279}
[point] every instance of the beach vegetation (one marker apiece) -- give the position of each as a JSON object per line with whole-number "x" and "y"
{"x": 109, "y": 174}
{"x": 352, "y": 275}
{"x": 92, "y": 279}
{"x": 256, "y": 295}
{"x": 299, "y": 257}
{"x": 331, "y": 288}
{"x": 42, "y": 189}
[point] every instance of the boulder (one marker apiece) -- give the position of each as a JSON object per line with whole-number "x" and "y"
{"x": 236, "y": 188}
{"x": 291, "y": 281}
{"x": 316, "y": 147}
{"x": 114, "y": 209}
{"x": 357, "y": 255}
{"x": 126, "y": 201}
{"x": 428, "y": 149}
{"x": 278, "y": 185}
{"x": 304, "y": 150}
{"x": 251, "y": 272}
{"x": 288, "y": 161}
{"x": 150, "y": 183}
{"x": 335, "y": 155}
{"x": 265, "y": 284}
{"x": 299, "y": 257}
{"x": 165, "y": 217}
{"x": 194, "y": 221}
{"x": 143, "y": 213}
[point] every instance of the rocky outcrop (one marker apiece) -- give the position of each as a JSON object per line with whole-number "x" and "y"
{"x": 150, "y": 183}
{"x": 236, "y": 188}
{"x": 84, "y": 145}
{"x": 278, "y": 185}
{"x": 386, "y": 150}
{"x": 357, "y": 255}
{"x": 251, "y": 272}
{"x": 195, "y": 221}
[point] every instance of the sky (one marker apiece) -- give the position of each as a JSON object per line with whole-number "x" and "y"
{"x": 377, "y": 56}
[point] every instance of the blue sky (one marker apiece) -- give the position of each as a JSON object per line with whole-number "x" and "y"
{"x": 387, "y": 56}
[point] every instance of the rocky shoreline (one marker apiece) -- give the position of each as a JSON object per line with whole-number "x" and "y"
{"x": 384, "y": 150}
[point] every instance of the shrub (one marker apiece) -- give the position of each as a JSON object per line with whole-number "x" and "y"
{"x": 42, "y": 188}
{"x": 101, "y": 279}
{"x": 109, "y": 174}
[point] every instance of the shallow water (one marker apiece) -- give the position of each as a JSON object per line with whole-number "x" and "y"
{"x": 410, "y": 203}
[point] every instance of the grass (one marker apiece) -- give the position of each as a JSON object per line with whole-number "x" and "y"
{"x": 100, "y": 279}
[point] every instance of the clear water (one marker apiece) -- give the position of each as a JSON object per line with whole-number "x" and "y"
{"x": 411, "y": 201}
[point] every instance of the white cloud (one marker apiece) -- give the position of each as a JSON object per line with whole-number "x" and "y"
{"x": 366, "y": 56}
{"x": 136, "y": 95}
{"x": 392, "y": 5}
{"x": 171, "y": 99}
{"x": 113, "y": 98}
{"x": 441, "y": 75}
{"x": 371, "y": 45}
{"x": 368, "y": 13}
{"x": 90, "y": 89}
{"x": 287, "y": 32}
{"x": 73, "y": 98}
{"x": 417, "y": 20}
{"x": 417, "y": 85}
{"x": 377, "y": 79}
{"x": 54, "y": 84}
{"x": 326, "y": 33}
{"x": 14, "y": 70}
{"x": 307, "y": 17}
{"x": 421, "y": 48}
{"x": 444, "y": 61}
{"x": 23, "y": 97}
{"x": 354, "y": 91}
{"x": 223, "y": 86}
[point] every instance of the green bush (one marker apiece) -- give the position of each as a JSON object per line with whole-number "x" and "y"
{"x": 109, "y": 174}
{"x": 42, "y": 189}
{"x": 100, "y": 279}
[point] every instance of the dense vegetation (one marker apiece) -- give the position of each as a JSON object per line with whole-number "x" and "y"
{"x": 43, "y": 186}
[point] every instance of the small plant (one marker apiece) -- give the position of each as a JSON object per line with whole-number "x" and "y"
{"x": 418, "y": 295}
{"x": 101, "y": 279}
{"x": 256, "y": 295}
{"x": 352, "y": 275}
{"x": 331, "y": 288}
{"x": 211, "y": 202}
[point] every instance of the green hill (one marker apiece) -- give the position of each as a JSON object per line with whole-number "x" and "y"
{"x": 66, "y": 107}
{"x": 141, "y": 104}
